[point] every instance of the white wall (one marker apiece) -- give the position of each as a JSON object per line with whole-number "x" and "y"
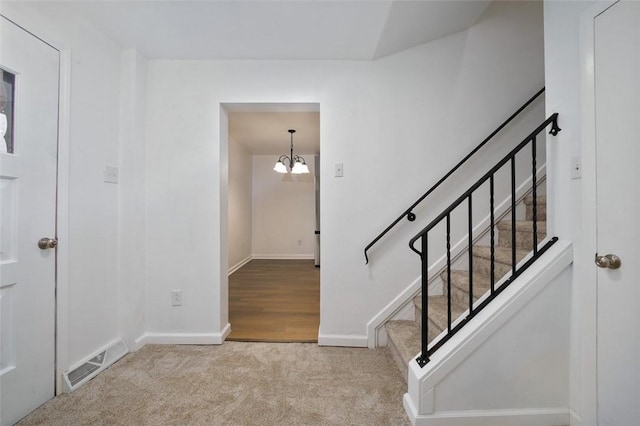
{"x": 240, "y": 203}
{"x": 562, "y": 73}
{"x": 283, "y": 211}
{"x": 406, "y": 110}
{"x": 132, "y": 201}
{"x": 93, "y": 205}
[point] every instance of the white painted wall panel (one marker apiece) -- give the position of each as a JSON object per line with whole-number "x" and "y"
{"x": 564, "y": 208}
{"x": 240, "y": 205}
{"x": 396, "y": 124}
{"x": 283, "y": 211}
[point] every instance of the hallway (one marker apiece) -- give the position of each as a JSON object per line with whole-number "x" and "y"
{"x": 275, "y": 301}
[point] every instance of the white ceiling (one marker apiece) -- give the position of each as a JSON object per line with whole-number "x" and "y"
{"x": 268, "y": 29}
{"x": 266, "y": 133}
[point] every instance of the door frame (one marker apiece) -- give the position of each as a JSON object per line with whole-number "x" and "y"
{"x": 222, "y": 256}
{"x": 586, "y": 388}
{"x": 62, "y": 222}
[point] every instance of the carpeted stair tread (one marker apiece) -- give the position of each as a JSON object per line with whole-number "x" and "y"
{"x": 541, "y": 207}
{"x": 438, "y": 312}
{"x": 522, "y": 225}
{"x": 524, "y": 233}
{"x": 541, "y": 200}
{"x": 403, "y": 338}
{"x": 460, "y": 283}
{"x": 501, "y": 254}
{"x": 406, "y": 337}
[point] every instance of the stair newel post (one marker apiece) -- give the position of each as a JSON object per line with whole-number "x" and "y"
{"x": 423, "y": 358}
{"x": 449, "y": 273}
{"x": 534, "y": 194}
{"x": 513, "y": 215}
{"x": 493, "y": 233}
{"x": 470, "y": 254}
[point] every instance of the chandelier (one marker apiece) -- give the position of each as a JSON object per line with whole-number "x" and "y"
{"x": 292, "y": 162}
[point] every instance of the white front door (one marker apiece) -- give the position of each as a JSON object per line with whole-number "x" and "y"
{"x": 28, "y": 156}
{"x": 617, "y": 98}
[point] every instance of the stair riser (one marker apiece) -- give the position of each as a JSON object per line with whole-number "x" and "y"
{"x": 541, "y": 209}
{"x": 483, "y": 266}
{"x": 524, "y": 239}
{"x": 434, "y": 329}
{"x": 460, "y": 290}
{"x": 404, "y": 368}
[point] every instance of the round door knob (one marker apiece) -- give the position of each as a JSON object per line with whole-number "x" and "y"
{"x": 608, "y": 261}
{"x": 47, "y": 243}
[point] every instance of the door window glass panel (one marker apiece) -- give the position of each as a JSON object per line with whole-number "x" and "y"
{"x": 7, "y": 97}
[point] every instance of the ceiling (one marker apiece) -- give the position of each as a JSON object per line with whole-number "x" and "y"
{"x": 266, "y": 133}
{"x": 268, "y": 29}
{"x": 275, "y": 30}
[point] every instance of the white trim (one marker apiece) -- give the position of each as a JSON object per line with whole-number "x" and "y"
{"x": 346, "y": 340}
{"x": 535, "y": 416}
{"x": 283, "y": 256}
{"x": 240, "y": 264}
{"x": 406, "y": 296}
{"x": 576, "y": 420}
{"x": 389, "y": 311}
{"x": 487, "y": 322}
{"x": 62, "y": 221}
{"x": 184, "y": 338}
{"x": 585, "y": 394}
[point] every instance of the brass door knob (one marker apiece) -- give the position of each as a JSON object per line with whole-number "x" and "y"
{"x": 47, "y": 243}
{"x": 608, "y": 261}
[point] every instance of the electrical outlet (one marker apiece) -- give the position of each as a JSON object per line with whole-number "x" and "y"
{"x": 176, "y": 297}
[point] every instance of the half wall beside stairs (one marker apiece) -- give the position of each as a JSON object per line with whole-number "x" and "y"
{"x": 510, "y": 363}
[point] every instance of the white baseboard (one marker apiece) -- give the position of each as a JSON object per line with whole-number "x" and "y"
{"x": 184, "y": 338}
{"x": 533, "y": 416}
{"x": 576, "y": 420}
{"x": 347, "y": 340}
{"x": 283, "y": 256}
{"x": 240, "y": 264}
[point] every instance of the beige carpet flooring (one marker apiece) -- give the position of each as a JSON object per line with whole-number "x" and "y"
{"x": 237, "y": 384}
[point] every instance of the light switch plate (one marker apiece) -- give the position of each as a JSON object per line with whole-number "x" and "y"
{"x": 576, "y": 167}
{"x": 338, "y": 170}
{"x": 110, "y": 174}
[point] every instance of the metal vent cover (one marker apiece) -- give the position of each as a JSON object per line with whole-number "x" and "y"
{"x": 94, "y": 365}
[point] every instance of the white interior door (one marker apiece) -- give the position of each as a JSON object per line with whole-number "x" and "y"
{"x": 27, "y": 213}
{"x": 617, "y": 96}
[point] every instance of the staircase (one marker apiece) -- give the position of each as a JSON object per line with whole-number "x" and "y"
{"x": 404, "y": 336}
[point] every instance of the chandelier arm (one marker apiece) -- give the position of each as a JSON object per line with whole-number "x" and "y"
{"x": 285, "y": 157}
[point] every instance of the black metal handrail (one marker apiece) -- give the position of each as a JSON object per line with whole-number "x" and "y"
{"x": 408, "y": 213}
{"x": 423, "y": 358}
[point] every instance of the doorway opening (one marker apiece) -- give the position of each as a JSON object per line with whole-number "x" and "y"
{"x": 273, "y": 226}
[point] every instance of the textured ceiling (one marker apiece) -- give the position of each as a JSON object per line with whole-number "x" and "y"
{"x": 267, "y": 29}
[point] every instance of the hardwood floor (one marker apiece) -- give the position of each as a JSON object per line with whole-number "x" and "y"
{"x": 275, "y": 301}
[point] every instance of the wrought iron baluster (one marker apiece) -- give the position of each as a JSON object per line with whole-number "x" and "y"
{"x": 449, "y": 273}
{"x": 493, "y": 232}
{"x": 423, "y": 359}
{"x": 534, "y": 194}
{"x": 513, "y": 215}
{"x": 470, "y": 254}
